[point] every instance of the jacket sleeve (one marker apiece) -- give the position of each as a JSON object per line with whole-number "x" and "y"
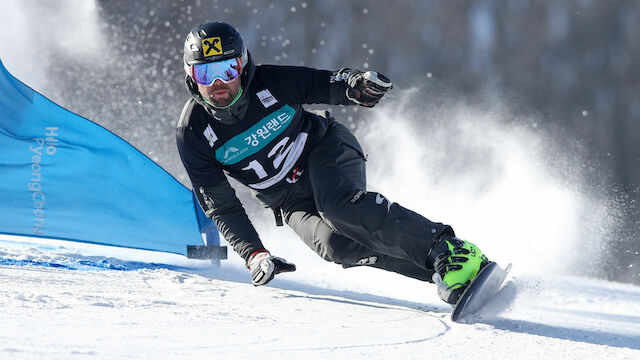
{"x": 222, "y": 205}
{"x": 303, "y": 85}
{"x": 215, "y": 195}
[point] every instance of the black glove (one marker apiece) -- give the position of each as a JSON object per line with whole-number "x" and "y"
{"x": 264, "y": 267}
{"x": 365, "y": 88}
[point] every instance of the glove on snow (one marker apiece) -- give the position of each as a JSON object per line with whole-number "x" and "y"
{"x": 264, "y": 267}
{"x": 365, "y": 88}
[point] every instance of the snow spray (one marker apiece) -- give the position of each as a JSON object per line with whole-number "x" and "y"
{"x": 501, "y": 181}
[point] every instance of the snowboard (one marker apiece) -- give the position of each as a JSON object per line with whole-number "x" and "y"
{"x": 481, "y": 290}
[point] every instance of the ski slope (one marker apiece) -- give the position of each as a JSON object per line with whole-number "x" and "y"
{"x": 509, "y": 187}
{"x": 63, "y": 302}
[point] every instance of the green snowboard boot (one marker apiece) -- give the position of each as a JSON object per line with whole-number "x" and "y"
{"x": 456, "y": 262}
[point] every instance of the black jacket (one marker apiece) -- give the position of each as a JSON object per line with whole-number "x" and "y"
{"x": 265, "y": 150}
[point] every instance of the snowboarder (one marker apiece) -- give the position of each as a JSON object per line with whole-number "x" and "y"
{"x": 247, "y": 121}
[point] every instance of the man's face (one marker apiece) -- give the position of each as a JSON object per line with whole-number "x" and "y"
{"x": 219, "y": 93}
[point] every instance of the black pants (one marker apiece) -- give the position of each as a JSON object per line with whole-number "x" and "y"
{"x": 333, "y": 214}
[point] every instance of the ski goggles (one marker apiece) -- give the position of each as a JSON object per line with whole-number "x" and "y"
{"x": 226, "y": 71}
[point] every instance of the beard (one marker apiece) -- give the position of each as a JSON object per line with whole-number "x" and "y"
{"x": 221, "y": 100}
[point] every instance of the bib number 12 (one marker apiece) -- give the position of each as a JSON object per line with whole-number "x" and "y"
{"x": 279, "y": 153}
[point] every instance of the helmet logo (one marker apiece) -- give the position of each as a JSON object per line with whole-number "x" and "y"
{"x": 212, "y": 46}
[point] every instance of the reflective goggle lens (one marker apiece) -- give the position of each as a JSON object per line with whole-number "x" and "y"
{"x": 226, "y": 71}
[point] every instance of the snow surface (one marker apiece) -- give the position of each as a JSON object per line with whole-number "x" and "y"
{"x": 152, "y": 305}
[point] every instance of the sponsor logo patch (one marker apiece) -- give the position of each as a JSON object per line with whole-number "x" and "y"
{"x": 358, "y": 196}
{"x": 256, "y": 138}
{"x": 212, "y": 46}
{"x": 367, "y": 261}
{"x": 344, "y": 76}
{"x": 210, "y": 135}
{"x": 266, "y": 98}
{"x": 296, "y": 176}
